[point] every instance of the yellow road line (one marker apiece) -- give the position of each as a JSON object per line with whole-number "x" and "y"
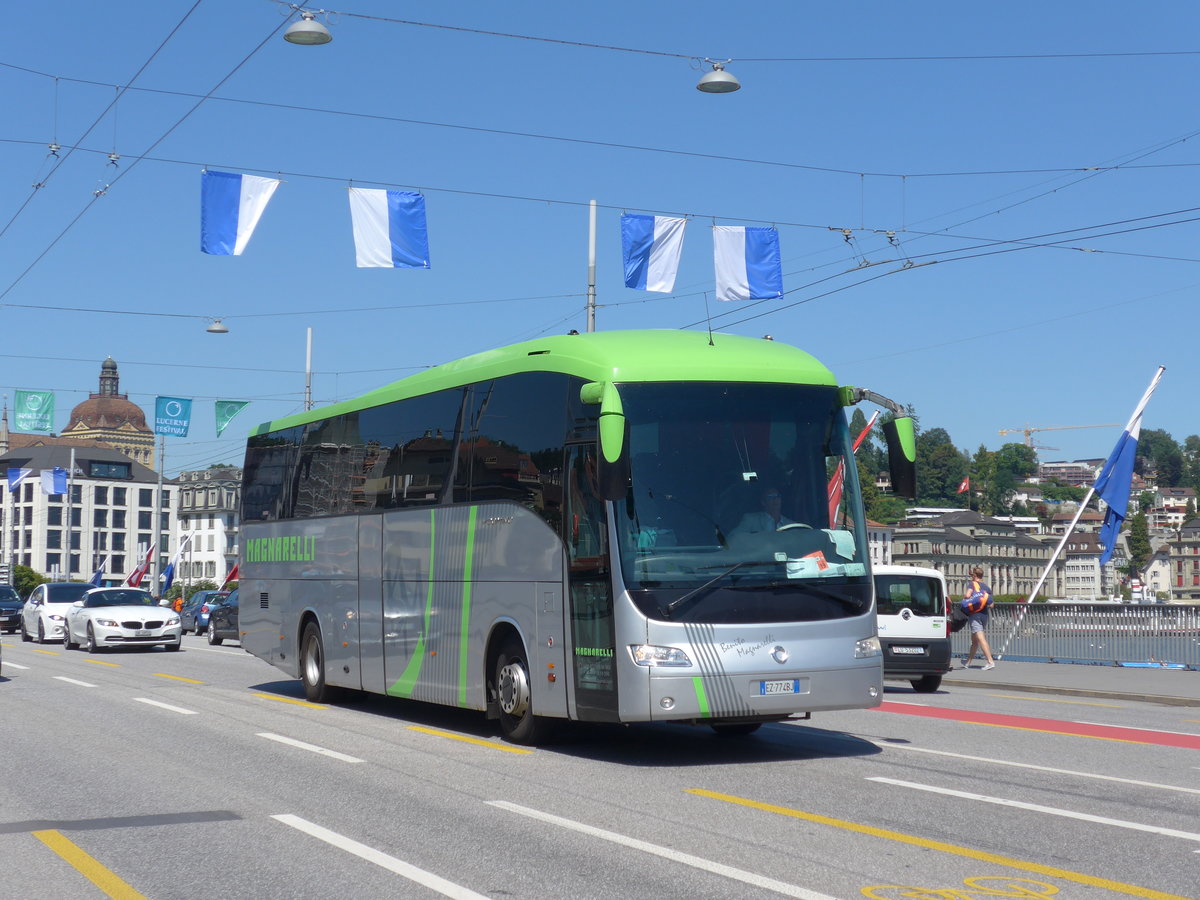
{"x": 290, "y": 700}
{"x": 1051, "y": 700}
{"x": 177, "y": 678}
{"x": 101, "y": 662}
{"x": 47, "y": 652}
{"x": 469, "y": 740}
{"x": 99, "y": 875}
{"x": 1119, "y": 887}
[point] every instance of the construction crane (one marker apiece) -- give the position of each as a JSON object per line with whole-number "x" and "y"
{"x": 1028, "y": 430}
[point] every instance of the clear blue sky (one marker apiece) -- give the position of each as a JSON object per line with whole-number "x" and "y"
{"x": 969, "y": 161}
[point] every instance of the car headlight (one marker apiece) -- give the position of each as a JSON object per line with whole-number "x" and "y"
{"x": 107, "y": 623}
{"x": 650, "y": 655}
{"x": 54, "y": 617}
{"x": 174, "y": 620}
{"x": 867, "y": 648}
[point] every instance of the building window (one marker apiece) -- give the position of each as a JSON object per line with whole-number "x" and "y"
{"x": 53, "y": 540}
{"x": 100, "y": 518}
{"x": 118, "y": 541}
{"x": 108, "y": 469}
{"x": 118, "y": 496}
{"x": 54, "y": 515}
{"x": 144, "y": 520}
{"x": 145, "y": 497}
{"x": 101, "y": 495}
{"x": 118, "y": 519}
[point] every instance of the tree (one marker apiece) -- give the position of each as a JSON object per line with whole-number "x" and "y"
{"x": 24, "y": 579}
{"x": 940, "y": 468}
{"x": 1139, "y": 545}
{"x": 1011, "y": 465}
{"x": 1159, "y": 454}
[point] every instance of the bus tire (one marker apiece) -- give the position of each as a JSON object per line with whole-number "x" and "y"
{"x": 312, "y": 666}
{"x": 514, "y": 697}
{"x": 927, "y": 684}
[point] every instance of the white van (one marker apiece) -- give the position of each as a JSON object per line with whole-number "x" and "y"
{"x": 913, "y": 628}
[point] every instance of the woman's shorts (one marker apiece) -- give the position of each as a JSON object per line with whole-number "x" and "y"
{"x": 979, "y": 622}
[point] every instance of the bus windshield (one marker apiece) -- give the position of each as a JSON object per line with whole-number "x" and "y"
{"x": 728, "y": 517}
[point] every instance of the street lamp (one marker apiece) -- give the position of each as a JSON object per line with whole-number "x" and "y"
{"x": 217, "y": 327}
{"x": 718, "y": 81}
{"x": 307, "y": 31}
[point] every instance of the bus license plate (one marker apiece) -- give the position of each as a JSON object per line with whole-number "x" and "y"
{"x": 916, "y": 651}
{"x": 779, "y": 687}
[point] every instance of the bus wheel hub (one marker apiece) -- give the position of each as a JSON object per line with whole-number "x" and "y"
{"x": 513, "y": 690}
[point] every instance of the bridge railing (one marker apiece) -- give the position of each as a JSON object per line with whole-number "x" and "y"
{"x": 1095, "y": 633}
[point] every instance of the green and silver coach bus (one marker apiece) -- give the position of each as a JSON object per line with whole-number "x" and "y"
{"x": 566, "y": 529}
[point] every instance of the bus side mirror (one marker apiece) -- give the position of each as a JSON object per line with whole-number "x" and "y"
{"x": 612, "y": 458}
{"x": 902, "y": 456}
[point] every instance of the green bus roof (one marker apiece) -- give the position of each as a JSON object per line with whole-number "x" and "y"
{"x": 618, "y": 356}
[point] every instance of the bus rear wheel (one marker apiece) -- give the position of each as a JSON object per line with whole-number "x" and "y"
{"x": 312, "y": 666}
{"x": 514, "y": 698}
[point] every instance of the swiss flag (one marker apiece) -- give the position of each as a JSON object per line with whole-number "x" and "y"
{"x": 232, "y": 576}
{"x": 965, "y": 486}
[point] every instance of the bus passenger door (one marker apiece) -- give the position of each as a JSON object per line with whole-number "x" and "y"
{"x": 585, "y": 534}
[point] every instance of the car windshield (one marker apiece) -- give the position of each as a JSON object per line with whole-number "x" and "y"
{"x": 729, "y": 516}
{"x": 9, "y": 595}
{"x": 919, "y": 593}
{"x": 66, "y": 593}
{"x": 119, "y": 598}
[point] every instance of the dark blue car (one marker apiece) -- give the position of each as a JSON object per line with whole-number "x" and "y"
{"x": 223, "y": 620}
{"x": 194, "y": 614}
{"x": 10, "y": 608}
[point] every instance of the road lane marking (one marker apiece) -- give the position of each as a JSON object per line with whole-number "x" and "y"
{"x": 696, "y": 862}
{"x": 176, "y": 709}
{"x": 47, "y": 652}
{"x": 290, "y": 700}
{"x": 370, "y": 854}
{"x": 102, "y": 662}
{"x": 495, "y": 745}
{"x": 177, "y": 678}
{"x": 1034, "y": 807}
{"x": 99, "y": 875}
{"x": 1026, "y": 697}
{"x": 1120, "y": 887}
{"x": 1190, "y": 734}
{"x": 74, "y": 681}
{"x": 225, "y": 652}
{"x": 1020, "y": 765}
{"x": 13, "y": 665}
{"x": 312, "y": 748}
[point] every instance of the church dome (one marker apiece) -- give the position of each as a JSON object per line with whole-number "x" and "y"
{"x": 108, "y": 409}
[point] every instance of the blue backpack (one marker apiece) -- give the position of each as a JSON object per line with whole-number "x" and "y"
{"x": 977, "y": 601}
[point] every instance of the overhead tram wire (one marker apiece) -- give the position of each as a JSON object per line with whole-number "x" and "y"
{"x": 137, "y": 159}
{"x": 121, "y": 89}
{"x": 293, "y": 107}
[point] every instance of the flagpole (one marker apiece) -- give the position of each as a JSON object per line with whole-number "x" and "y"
{"x": 591, "y": 291}
{"x": 156, "y": 519}
{"x": 1133, "y": 424}
{"x": 70, "y": 479}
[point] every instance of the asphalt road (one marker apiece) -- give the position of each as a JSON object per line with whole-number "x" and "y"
{"x": 204, "y": 774}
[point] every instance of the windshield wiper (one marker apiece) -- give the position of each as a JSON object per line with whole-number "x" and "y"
{"x": 679, "y": 601}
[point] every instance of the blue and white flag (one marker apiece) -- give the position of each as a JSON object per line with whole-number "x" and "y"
{"x": 172, "y": 416}
{"x": 389, "y": 229}
{"x": 168, "y": 574}
{"x": 651, "y": 247}
{"x": 98, "y": 576}
{"x": 230, "y": 207}
{"x": 54, "y": 481}
{"x": 16, "y": 476}
{"x": 1112, "y": 484}
{"x": 747, "y": 262}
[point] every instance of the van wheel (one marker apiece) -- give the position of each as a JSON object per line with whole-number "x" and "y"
{"x": 514, "y": 697}
{"x": 312, "y": 667}
{"x": 927, "y": 684}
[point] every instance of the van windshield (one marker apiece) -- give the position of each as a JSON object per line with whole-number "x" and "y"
{"x": 919, "y": 593}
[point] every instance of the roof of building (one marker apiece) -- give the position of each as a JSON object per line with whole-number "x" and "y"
{"x": 60, "y": 455}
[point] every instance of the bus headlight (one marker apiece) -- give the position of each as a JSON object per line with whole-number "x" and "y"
{"x": 650, "y": 655}
{"x": 867, "y": 648}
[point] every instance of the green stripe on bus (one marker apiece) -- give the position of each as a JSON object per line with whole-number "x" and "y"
{"x": 463, "y": 645}
{"x": 701, "y": 697}
{"x": 407, "y": 682}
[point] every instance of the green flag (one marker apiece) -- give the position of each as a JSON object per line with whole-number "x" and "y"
{"x": 226, "y": 410}
{"x": 34, "y": 410}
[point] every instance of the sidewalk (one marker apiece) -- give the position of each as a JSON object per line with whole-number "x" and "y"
{"x": 1170, "y": 687}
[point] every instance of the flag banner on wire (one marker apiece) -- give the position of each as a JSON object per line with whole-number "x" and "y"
{"x": 34, "y": 410}
{"x": 172, "y": 416}
{"x": 650, "y": 248}
{"x": 964, "y": 485}
{"x": 747, "y": 262}
{"x": 389, "y": 229}
{"x": 54, "y": 481}
{"x": 16, "y": 476}
{"x": 226, "y": 410}
{"x": 1113, "y": 482}
{"x": 230, "y": 207}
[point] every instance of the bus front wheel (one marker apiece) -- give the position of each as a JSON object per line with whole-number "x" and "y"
{"x": 312, "y": 666}
{"x": 515, "y": 699}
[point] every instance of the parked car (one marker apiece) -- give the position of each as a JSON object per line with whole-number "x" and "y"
{"x": 111, "y": 617}
{"x": 44, "y": 615}
{"x": 194, "y": 614}
{"x": 223, "y": 621}
{"x": 10, "y": 608}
